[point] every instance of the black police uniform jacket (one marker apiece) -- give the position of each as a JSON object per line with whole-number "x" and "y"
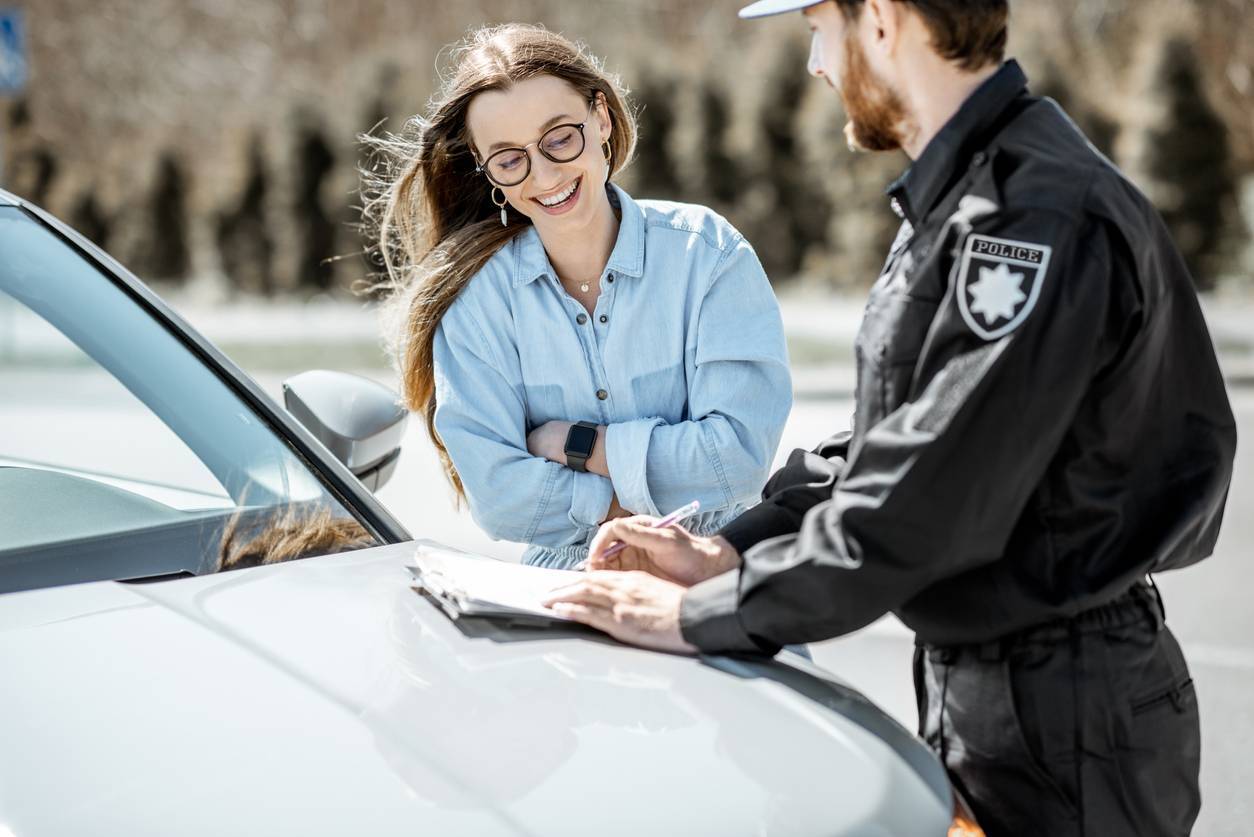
{"x": 1040, "y": 417}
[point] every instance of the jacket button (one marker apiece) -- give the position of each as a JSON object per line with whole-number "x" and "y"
{"x": 979, "y": 159}
{"x": 604, "y": 319}
{"x": 602, "y": 394}
{"x": 581, "y": 319}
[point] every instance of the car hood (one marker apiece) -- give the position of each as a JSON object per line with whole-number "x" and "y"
{"x": 326, "y": 696}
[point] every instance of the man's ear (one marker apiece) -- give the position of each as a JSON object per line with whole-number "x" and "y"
{"x": 884, "y": 20}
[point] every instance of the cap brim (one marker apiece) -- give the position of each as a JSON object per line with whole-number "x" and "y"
{"x": 766, "y": 8}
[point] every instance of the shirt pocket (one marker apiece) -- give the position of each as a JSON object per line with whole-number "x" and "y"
{"x": 556, "y": 382}
{"x": 662, "y": 393}
{"x": 888, "y": 348}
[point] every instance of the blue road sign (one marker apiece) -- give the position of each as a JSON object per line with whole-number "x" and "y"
{"x": 13, "y": 69}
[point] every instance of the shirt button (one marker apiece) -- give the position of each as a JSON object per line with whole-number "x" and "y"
{"x": 604, "y": 319}
{"x": 610, "y": 278}
{"x": 602, "y": 394}
{"x": 581, "y": 319}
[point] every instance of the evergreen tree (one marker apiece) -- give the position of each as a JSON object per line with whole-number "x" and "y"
{"x": 244, "y": 241}
{"x": 654, "y": 168}
{"x": 166, "y": 254}
{"x": 314, "y": 163}
{"x": 30, "y": 166}
{"x": 87, "y": 218}
{"x": 800, "y": 208}
{"x": 1188, "y": 162}
{"x": 721, "y": 177}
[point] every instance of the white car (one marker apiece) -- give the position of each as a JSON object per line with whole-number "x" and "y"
{"x": 144, "y": 692}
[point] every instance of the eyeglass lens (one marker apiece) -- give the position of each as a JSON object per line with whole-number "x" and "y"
{"x": 561, "y": 144}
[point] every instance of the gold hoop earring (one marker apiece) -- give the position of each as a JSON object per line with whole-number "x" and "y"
{"x": 607, "y": 150}
{"x": 501, "y": 204}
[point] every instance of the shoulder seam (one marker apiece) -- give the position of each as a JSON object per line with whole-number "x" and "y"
{"x": 485, "y": 348}
{"x": 681, "y": 227}
{"x": 732, "y": 242}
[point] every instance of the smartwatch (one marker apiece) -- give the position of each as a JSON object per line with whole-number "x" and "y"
{"x": 580, "y": 441}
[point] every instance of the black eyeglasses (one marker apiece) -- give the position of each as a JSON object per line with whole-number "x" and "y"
{"x": 561, "y": 144}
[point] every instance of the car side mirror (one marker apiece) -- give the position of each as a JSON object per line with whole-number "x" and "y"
{"x": 360, "y": 421}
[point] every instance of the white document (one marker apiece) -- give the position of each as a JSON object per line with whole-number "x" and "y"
{"x": 470, "y": 586}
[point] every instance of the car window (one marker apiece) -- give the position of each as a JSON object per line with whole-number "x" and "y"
{"x": 65, "y": 413}
{"x": 122, "y": 455}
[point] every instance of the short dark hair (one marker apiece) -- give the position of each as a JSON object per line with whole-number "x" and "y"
{"x": 969, "y": 32}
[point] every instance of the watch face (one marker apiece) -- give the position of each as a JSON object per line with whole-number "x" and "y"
{"x": 581, "y": 440}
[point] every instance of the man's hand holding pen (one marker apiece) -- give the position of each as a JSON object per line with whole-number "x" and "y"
{"x": 671, "y": 552}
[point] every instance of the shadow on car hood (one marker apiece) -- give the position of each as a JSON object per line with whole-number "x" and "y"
{"x": 327, "y": 697}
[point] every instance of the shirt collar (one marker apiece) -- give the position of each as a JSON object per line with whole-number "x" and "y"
{"x": 626, "y": 259}
{"x": 917, "y": 191}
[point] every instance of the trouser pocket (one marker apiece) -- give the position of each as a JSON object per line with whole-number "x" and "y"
{"x": 1156, "y": 733}
{"x": 969, "y": 717}
{"x": 1178, "y": 696}
{"x": 1096, "y": 734}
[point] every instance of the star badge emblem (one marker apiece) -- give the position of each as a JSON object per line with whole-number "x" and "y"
{"x": 997, "y": 293}
{"x": 999, "y": 283}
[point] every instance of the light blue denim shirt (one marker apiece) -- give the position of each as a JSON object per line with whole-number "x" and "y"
{"x": 683, "y": 361}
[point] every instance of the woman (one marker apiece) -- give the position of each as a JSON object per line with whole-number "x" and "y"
{"x": 578, "y": 355}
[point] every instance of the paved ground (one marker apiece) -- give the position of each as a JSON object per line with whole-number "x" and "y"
{"x": 1207, "y": 605}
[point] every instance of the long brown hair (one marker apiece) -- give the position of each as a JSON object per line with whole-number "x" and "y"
{"x": 286, "y": 534}
{"x": 430, "y": 215}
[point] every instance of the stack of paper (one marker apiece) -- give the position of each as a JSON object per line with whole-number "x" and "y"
{"x": 465, "y": 585}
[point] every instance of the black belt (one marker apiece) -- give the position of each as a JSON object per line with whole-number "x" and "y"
{"x": 1141, "y": 603}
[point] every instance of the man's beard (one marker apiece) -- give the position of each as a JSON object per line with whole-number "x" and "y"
{"x": 877, "y": 116}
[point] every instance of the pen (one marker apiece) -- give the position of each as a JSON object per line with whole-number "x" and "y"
{"x": 679, "y": 514}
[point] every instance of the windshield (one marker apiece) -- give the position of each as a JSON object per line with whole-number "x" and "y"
{"x": 122, "y": 455}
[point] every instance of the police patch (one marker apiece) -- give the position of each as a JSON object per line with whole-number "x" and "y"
{"x": 999, "y": 282}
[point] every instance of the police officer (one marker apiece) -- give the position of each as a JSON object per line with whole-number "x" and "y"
{"x": 1040, "y": 423}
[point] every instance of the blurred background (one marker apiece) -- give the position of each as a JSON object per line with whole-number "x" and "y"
{"x": 212, "y": 146}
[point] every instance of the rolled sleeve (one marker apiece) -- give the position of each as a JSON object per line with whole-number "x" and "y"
{"x": 739, "y": 395}
{"x": 709, "y": 618}
{"x": 627, "y": 454}
{"x": 591, "y": 496}
{"x": 480, "y": 417}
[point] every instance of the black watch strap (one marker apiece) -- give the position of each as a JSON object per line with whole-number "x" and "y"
{"x": 580, "y": 440}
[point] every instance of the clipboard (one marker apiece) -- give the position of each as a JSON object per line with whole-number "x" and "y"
{"x": 468, "y": 585}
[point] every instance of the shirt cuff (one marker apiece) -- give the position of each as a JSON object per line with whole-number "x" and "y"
{"x": 627, "y": 455}
{"x": 763, "y": 521}
{"x": 590, "y": 499}
{"x": 709, "y": 618}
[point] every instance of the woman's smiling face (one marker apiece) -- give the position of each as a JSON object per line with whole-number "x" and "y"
{"x": 554, "y": 195}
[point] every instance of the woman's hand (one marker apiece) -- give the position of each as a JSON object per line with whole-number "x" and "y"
{"x": 616, "y": 510}
{"x": 548, "y": 441}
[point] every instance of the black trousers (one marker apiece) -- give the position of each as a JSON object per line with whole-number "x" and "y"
{"x": 1087, "y": 726}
